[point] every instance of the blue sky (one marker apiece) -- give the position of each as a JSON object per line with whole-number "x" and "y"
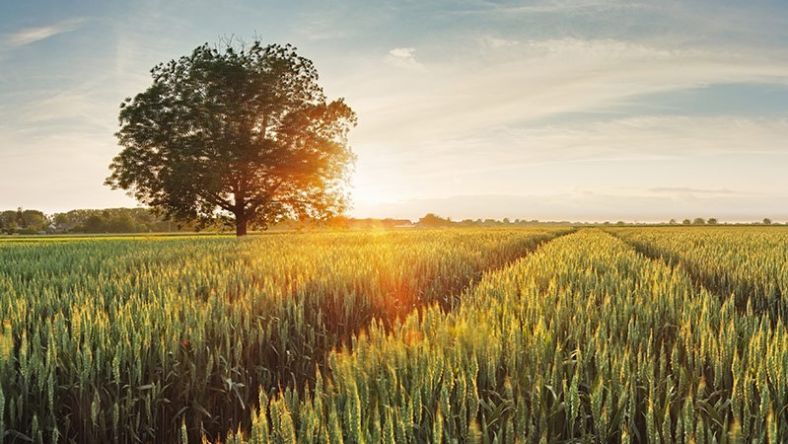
{"x": 592, "y": 109}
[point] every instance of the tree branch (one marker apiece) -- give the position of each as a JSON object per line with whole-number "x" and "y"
{"x": 218, "y": 201}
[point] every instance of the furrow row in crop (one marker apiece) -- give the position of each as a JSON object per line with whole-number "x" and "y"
{"x": 585, "y": 340}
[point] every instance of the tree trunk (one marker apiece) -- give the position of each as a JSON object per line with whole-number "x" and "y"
{"x": 240, "y": 226}
{"x": 240, "y": 211}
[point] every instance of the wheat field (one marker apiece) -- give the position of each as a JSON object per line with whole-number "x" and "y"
{"x": 526, "y": 335}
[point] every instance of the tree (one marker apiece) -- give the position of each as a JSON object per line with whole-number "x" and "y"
{"x": 698, "y": 221}
{"x": 672, "y": 222}
{"x": 32, "y": 221}
{"x": 245, "y": 136}
{"x": 712, "y": 221}
{"x": 431, "y": 220}
{"x": 23, "y": 221}
{"x": 95, "y": 223}
{"x": 338, "y": 222}
{"x": 121, "y": 223}
{"x": 61, "y": 222}
{"x": 686, "y": 222}
{"x": 767, "y": 221}
{"x": 8, "y": 222}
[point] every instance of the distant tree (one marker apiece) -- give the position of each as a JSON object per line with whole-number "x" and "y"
{"x": 8, "y": 222}
{"x": 686, "y": 222}
{"x": 712, "y": 221}
{"x": 672, "y": 222}
{"x": 33, "y": 221}
{"x": 61, "y": 223}
{"x": 338, "y": 222}
{"x": 245, "y": 136}
{"x": 121, "y": 223}
{"x": 23, "y": 222}
{"x": 431, "y": 220}
{"x": 77, "y": 221}
{"x": 767, "y": 221}
{"x": 95, "y": 223}
{"x": 698, "y": 221}
{"x": 621, "y": 222}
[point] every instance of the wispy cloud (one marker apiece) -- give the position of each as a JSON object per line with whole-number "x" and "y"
{"x": 534, "y": 80}
{"x": 643, "y": 151}
{"x": 30, "y": 35}
{"x": 552, "y": 6}
{"x": 690, "y": 190}
{"x": 480, "y": 119}
{"x": 581, "y": 205}
{"x": 494, "y": 42}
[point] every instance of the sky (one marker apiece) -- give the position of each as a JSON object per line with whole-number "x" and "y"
{"x": 553, "y": 110}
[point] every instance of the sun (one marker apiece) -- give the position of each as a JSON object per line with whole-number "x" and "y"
{"x": 367, "y": 190}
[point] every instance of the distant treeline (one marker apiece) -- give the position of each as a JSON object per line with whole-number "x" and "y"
{"x": 143, "y": 220}
{"x": 433, "y": 220}
{"x": 111, "y": 220}
{"x": 430, "y": 220}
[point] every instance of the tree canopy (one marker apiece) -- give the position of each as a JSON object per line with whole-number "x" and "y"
{"x": 241, "y": 135}
{"x": 433, "y": 220}
{"x": 23, "y": 221}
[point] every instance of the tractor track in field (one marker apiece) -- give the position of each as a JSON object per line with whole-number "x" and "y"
{"x": 452, "y": 300}
{"x": 345, "y": 343}
{"x": 774, "y": 309}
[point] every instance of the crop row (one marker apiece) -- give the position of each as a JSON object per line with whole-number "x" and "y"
{"x": 586, "y": 340}
{"x": 749, "y": 263}
{"x": 130, "y": 340}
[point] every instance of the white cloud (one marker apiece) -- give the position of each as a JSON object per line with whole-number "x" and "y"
{"x": 403, "y": 58}
{"x": 535, "y": 80}
{"x": 27, "y": 36}
{"x": 403, "y": 53}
